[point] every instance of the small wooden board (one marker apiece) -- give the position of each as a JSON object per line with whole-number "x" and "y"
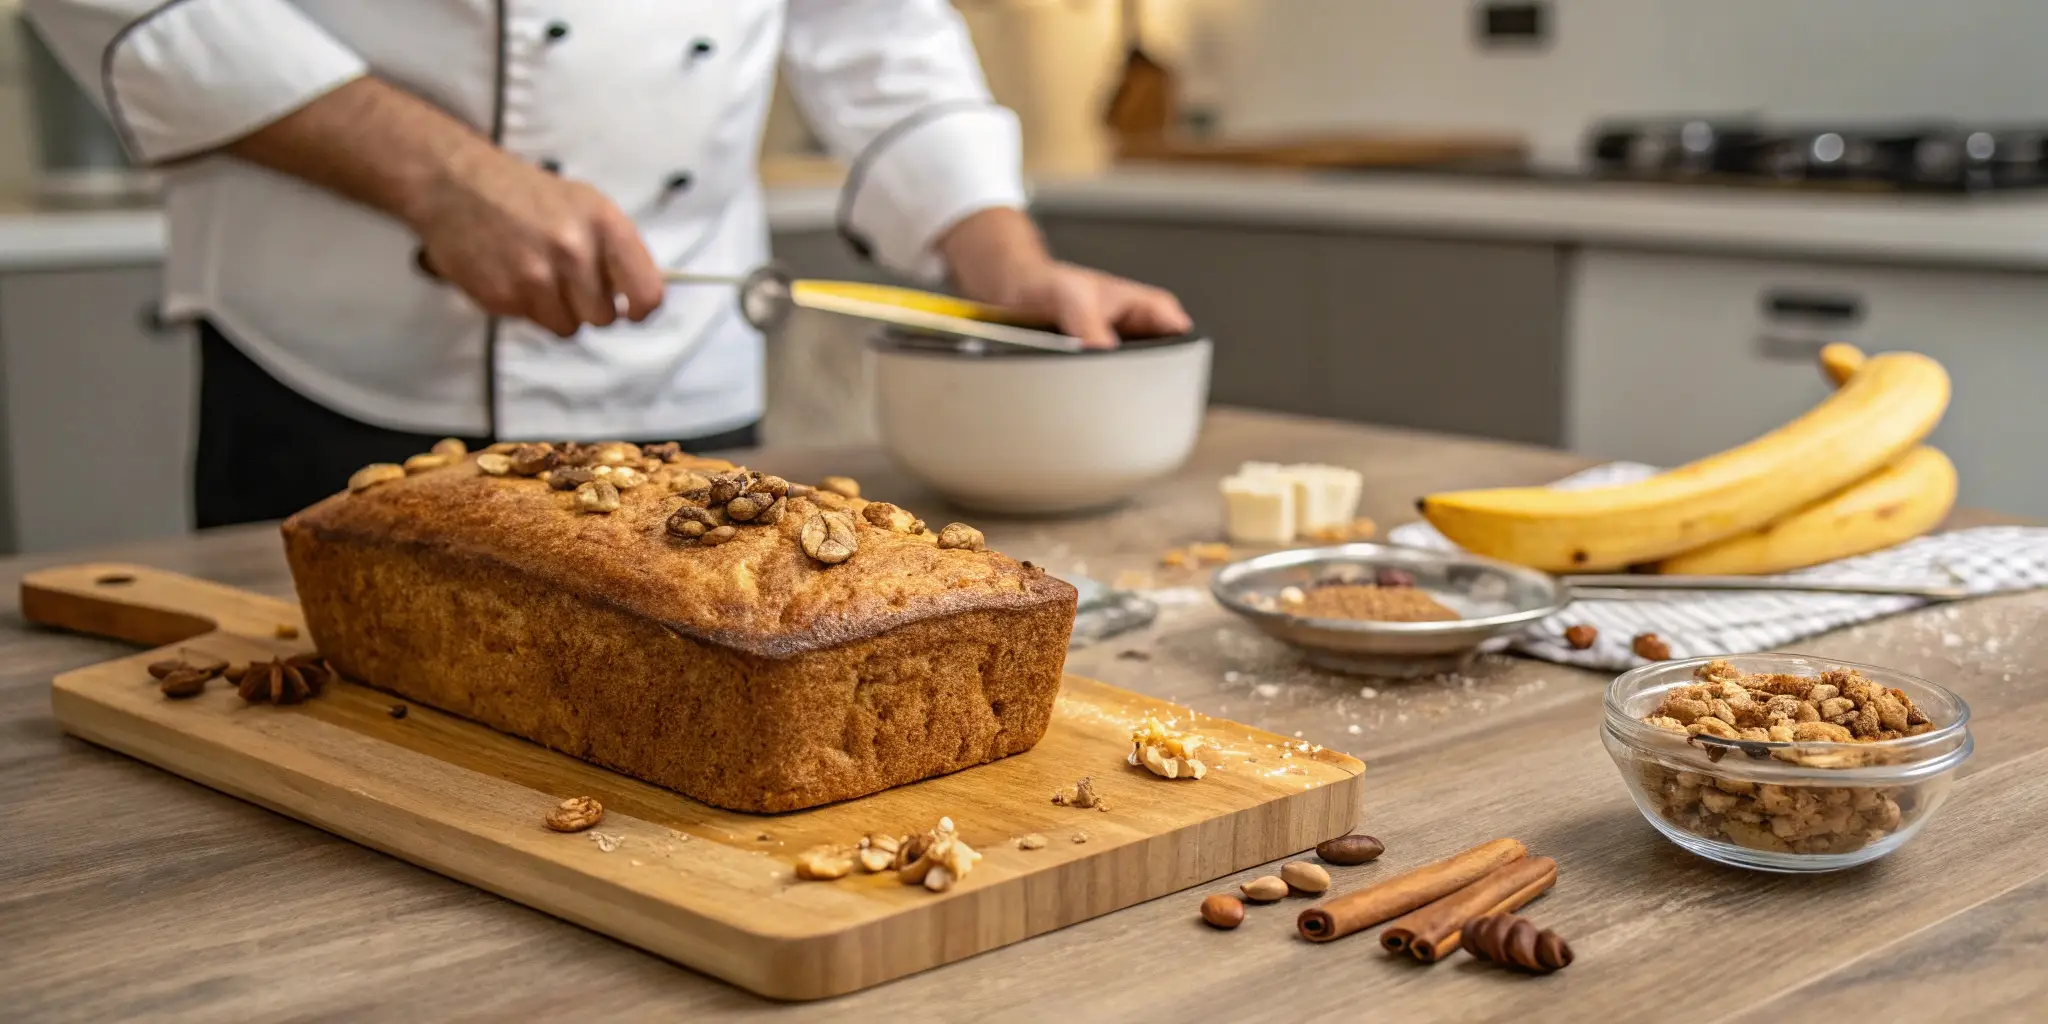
{"x": 708, "y": 888}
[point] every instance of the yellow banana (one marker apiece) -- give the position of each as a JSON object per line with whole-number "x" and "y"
{"x": 1891, "y": 506}
{"x": 1839, "y": 361}
{"x": 1886, "y": 407}
{"x": 910, "y": 298}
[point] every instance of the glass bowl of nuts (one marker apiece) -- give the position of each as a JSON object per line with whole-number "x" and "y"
{"x": 1784, "y": 762}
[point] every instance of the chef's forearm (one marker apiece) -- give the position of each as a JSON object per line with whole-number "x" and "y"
{"x": 371, "y": 142}
{"x": 990, "y": 247}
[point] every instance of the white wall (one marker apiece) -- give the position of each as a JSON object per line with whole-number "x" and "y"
{"x": 1412, "y": 64}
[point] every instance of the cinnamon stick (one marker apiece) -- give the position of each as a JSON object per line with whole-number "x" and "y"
{"x": 1434, "y": 931}
{"x": 1386, "y": 900}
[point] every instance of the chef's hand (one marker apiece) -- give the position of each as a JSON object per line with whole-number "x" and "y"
{"x": 526, "y": 243}
{"x": 997, "y": 256}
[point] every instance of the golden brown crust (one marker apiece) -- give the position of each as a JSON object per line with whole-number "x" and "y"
{"x": 758, "y": 592}
{"x": 743, "y": 675}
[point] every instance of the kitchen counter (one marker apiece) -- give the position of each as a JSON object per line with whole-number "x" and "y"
{"x": 2006, "y": 231}
{"x": 130, "y": 891}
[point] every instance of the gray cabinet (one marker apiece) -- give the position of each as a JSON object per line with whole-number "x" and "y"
{"x": 98, "y": 410}
{"x": 1254, "y": 291}
{"x": 1459, "y": 336}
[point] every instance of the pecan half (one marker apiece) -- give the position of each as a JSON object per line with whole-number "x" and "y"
{"x": 844, "y": 486}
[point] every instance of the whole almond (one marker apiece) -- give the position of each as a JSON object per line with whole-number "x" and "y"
{"x": 1223, "y": 911}
{"x": 1349, "y": 850}
{"x": 1264, "y": 889}
{"x": 1305, "y": 877}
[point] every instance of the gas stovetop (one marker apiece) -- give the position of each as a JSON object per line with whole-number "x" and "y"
{"x": 1904, "y": 157}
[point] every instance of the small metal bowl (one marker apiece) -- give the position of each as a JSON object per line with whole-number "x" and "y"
{"x": 1494, "y": 598}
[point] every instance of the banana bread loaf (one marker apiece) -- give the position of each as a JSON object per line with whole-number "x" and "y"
{"x": 750, "y": 643}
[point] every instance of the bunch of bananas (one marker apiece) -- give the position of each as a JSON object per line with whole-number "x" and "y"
{"x": 1848, "y": 477}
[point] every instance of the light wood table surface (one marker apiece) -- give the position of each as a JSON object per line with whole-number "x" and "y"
{"x": 127, "y": 892}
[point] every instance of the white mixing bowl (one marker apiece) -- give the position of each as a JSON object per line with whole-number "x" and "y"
{"x": 1021, "y": 432}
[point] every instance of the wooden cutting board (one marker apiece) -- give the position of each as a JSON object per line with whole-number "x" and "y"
{"x": 708, "y": 888}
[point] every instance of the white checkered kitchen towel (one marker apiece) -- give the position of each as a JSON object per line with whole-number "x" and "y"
{"x": 1700, "y": 623}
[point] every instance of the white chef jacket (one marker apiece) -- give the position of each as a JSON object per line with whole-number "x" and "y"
{"x": 657, "y": 103}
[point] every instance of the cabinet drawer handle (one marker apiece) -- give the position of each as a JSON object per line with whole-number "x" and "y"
{"x": 1782, "y": 348}
{"x": 1812, "y": 307}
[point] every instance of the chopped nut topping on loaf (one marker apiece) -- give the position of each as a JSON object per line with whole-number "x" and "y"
{"x": 793, "y": 568}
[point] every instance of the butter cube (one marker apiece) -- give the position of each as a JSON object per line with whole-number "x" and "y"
{"x": 1325, "y": 497}
{"x": 1259, "y": 508}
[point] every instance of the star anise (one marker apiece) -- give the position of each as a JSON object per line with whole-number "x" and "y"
{"x": 281, "y": 680}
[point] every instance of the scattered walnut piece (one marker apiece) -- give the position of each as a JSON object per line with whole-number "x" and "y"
{"x": 598, "y": 496}
{"x": 451, "y": 447}
{"x": 1165, "y": 752}
{"x": 942, "y": 859}
{"x": 373, "y": 474}
{"x": 1033, "y": 841}
{"x": 1650, "y": 647}
{"x": 1081, "y": 794}
{"x": 575, "y": 814}
{"x": 397, "y": 711}
{"x": 884, "y": 516}
{"x": 533, "y": 459}
{"x": 625, "y": 478}
{"x": 286, "y": 631}
{"x": 823, "y": 863}
{"x": 494, "y": 464}
{"x": 746, "y": 507}
{"x": 878, "y": 852}
{"x": 568, "y": 478}
{"x": 718, "y": 535}
{"x": 829, "y": 537}
{"x": 844, "y": 486}
{"x": 962, "y": 537}
{"x": 1581, "y": 636}
{"x": 1079, "y": 837}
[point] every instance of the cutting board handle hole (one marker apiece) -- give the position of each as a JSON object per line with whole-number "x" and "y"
{"x": 114, "y": 579}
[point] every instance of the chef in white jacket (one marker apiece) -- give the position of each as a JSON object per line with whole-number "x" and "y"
{"x": 396, "y": 220}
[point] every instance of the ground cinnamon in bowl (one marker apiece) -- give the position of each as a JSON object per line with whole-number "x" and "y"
{"x": 1365, "y": 601}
